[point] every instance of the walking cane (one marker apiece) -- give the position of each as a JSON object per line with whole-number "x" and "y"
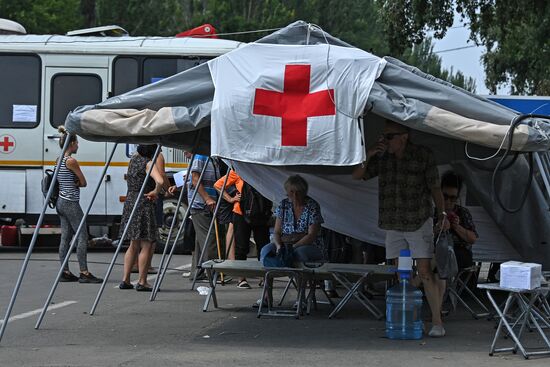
{"x": 218, "y": 245}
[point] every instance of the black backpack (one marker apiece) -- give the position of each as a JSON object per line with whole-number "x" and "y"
{"x": 256, "y": 208}
{"x": 46, "y": 183}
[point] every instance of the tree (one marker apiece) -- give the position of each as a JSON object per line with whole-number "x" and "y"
{"x": 43, "y": 17}
{"x": 357, "y": 22}
{"x": 514, "y": 34}
{"x": 423, "y": 57}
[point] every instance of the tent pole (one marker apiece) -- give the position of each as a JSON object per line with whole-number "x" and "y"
{"x": 121, "y": 240}
{"x": 161, "y": 264}
{"x": 162, "y": 271}
{"x": 218, "y": 202}
{"x": 544, "y": 174}
{"x": 34, "y": 238}
{"x": 75, "y": 239}
{"x": 174, "y": 219}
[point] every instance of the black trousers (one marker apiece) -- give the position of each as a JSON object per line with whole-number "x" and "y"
{"x": 242, "y": 231}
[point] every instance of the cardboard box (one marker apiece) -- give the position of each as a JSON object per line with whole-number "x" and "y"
{"x": 519, "y": 275}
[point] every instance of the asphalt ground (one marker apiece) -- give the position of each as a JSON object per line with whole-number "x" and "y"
{"x": 129, "y": 330}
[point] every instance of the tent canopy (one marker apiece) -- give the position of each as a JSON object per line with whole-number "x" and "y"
{"x": 175, "y": 112}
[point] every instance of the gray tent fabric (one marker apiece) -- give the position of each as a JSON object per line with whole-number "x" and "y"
{"x": 176, "y": 112}
{"x": 350, "y": 207}
{"x": 401, "y": 93}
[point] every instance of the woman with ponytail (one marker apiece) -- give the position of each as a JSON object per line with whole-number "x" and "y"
{"x": 71, "y": 179}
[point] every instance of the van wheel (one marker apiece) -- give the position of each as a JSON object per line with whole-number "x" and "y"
{"x": 168, "y": 213}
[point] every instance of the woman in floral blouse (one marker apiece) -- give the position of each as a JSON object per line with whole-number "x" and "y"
{"x": 462, "y": 230}
{"x": 298, "y": 224}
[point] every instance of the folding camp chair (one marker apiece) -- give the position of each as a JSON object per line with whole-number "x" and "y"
{"x": 459, "y": 285}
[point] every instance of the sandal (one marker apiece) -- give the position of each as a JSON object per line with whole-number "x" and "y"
{"x": 143, "y": 288}
{"x": 124, "y": 285}
{"x": 243, "y": 284}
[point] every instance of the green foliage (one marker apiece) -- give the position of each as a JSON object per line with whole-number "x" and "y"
{"x": 357, "y": 22}
{"x": 514, "y": 34}
{"x": 423, "y": 57}
{"x": 55, "y": 16}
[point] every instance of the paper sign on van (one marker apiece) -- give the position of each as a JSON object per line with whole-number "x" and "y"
{"x": 24, "y": 113}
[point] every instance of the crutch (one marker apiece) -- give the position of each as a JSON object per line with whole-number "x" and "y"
{"x": 162, "y": 271}
{"x": 34, "y": 238}
{"x": 174, "y": 219}
{"x": 218, "y": 202}
{"x": 74, "y": 240}
{"x": 121, "y": 241}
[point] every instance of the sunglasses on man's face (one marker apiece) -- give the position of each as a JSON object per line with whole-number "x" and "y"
{"x": 390, "y": 136}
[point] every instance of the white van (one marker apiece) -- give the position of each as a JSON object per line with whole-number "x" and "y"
{"x": 43, "y": 77}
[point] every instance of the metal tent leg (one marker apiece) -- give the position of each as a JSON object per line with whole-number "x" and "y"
{"x": 178, "y": 206}
{"x": 33, "y": 241}
{"x": 121, "y": 241}
{"x": 74, "y": 240}
{"x": 162, "y": 271}
{"x": 218, "y": 202}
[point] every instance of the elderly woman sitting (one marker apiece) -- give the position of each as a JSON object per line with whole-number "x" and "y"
{"x": 298, "y": 224}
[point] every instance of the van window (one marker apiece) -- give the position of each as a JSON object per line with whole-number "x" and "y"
{"x": 125, "y": 75}
{"x": 70, "y": 91}
{"x": 20, "y": 91}
{"x": 155, "y": 69}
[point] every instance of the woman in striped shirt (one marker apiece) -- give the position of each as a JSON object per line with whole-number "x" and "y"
{"x": 70, "y": 179}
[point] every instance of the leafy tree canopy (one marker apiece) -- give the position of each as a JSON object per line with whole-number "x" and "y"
{"x": 514, "y": 34}
{"x": 357, "y": 22}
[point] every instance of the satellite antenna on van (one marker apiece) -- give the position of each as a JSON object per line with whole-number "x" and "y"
{"x": 11, "y": 27}
{"x": 103, "y": 31}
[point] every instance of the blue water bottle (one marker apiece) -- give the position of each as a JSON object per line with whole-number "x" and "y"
{"x": 404, "y": 304}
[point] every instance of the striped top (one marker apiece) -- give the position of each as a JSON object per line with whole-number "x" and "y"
{"x": 66, "y": 178}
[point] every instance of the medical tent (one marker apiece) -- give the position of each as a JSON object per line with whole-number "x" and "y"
{"x": 242, "y": 107}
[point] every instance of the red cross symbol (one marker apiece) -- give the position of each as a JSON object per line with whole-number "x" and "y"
{"x": 295, "y": 104}
{"x": 6, "y": 144}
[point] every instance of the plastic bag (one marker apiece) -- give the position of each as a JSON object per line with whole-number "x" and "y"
{"x": 445, "y": 257}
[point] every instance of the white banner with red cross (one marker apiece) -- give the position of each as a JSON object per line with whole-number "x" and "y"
{"x": 291, "y": 104}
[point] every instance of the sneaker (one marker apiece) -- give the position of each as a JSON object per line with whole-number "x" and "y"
{"x": 186, "y": 274}
{"x": 68, "y": 277}
{"x": 124, "y": 285}
{"x": 257, "y": 303}
{"x": 89, "y": 278}
{"x": 437, "y": 331}
{"x": 201, "y": 276}
{"x": 226, "y": 279}
{"x": 243, "y": 284}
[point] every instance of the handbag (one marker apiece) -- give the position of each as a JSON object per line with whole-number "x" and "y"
{"x": 284, "y": 258}
{"x": 445, "y": 257}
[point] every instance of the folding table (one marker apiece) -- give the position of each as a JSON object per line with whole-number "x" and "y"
{"x": 529, "y": 314}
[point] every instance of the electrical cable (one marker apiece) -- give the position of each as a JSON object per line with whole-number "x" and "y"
{"x": 517, "y": 120}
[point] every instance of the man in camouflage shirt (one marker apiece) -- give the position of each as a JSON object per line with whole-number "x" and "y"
{"x": 408, "y": 181}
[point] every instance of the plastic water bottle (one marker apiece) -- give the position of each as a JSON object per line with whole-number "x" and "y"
{"x": 404, "y": 304}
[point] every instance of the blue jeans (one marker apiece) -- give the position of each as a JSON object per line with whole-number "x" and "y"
{"x": 305, "y": 253}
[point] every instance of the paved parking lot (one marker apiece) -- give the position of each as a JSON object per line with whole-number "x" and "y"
{"x": 128, "y": 330}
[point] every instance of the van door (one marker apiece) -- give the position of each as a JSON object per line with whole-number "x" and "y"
{"x": 68, "y": 88}
{"x": 20, "y": 131}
